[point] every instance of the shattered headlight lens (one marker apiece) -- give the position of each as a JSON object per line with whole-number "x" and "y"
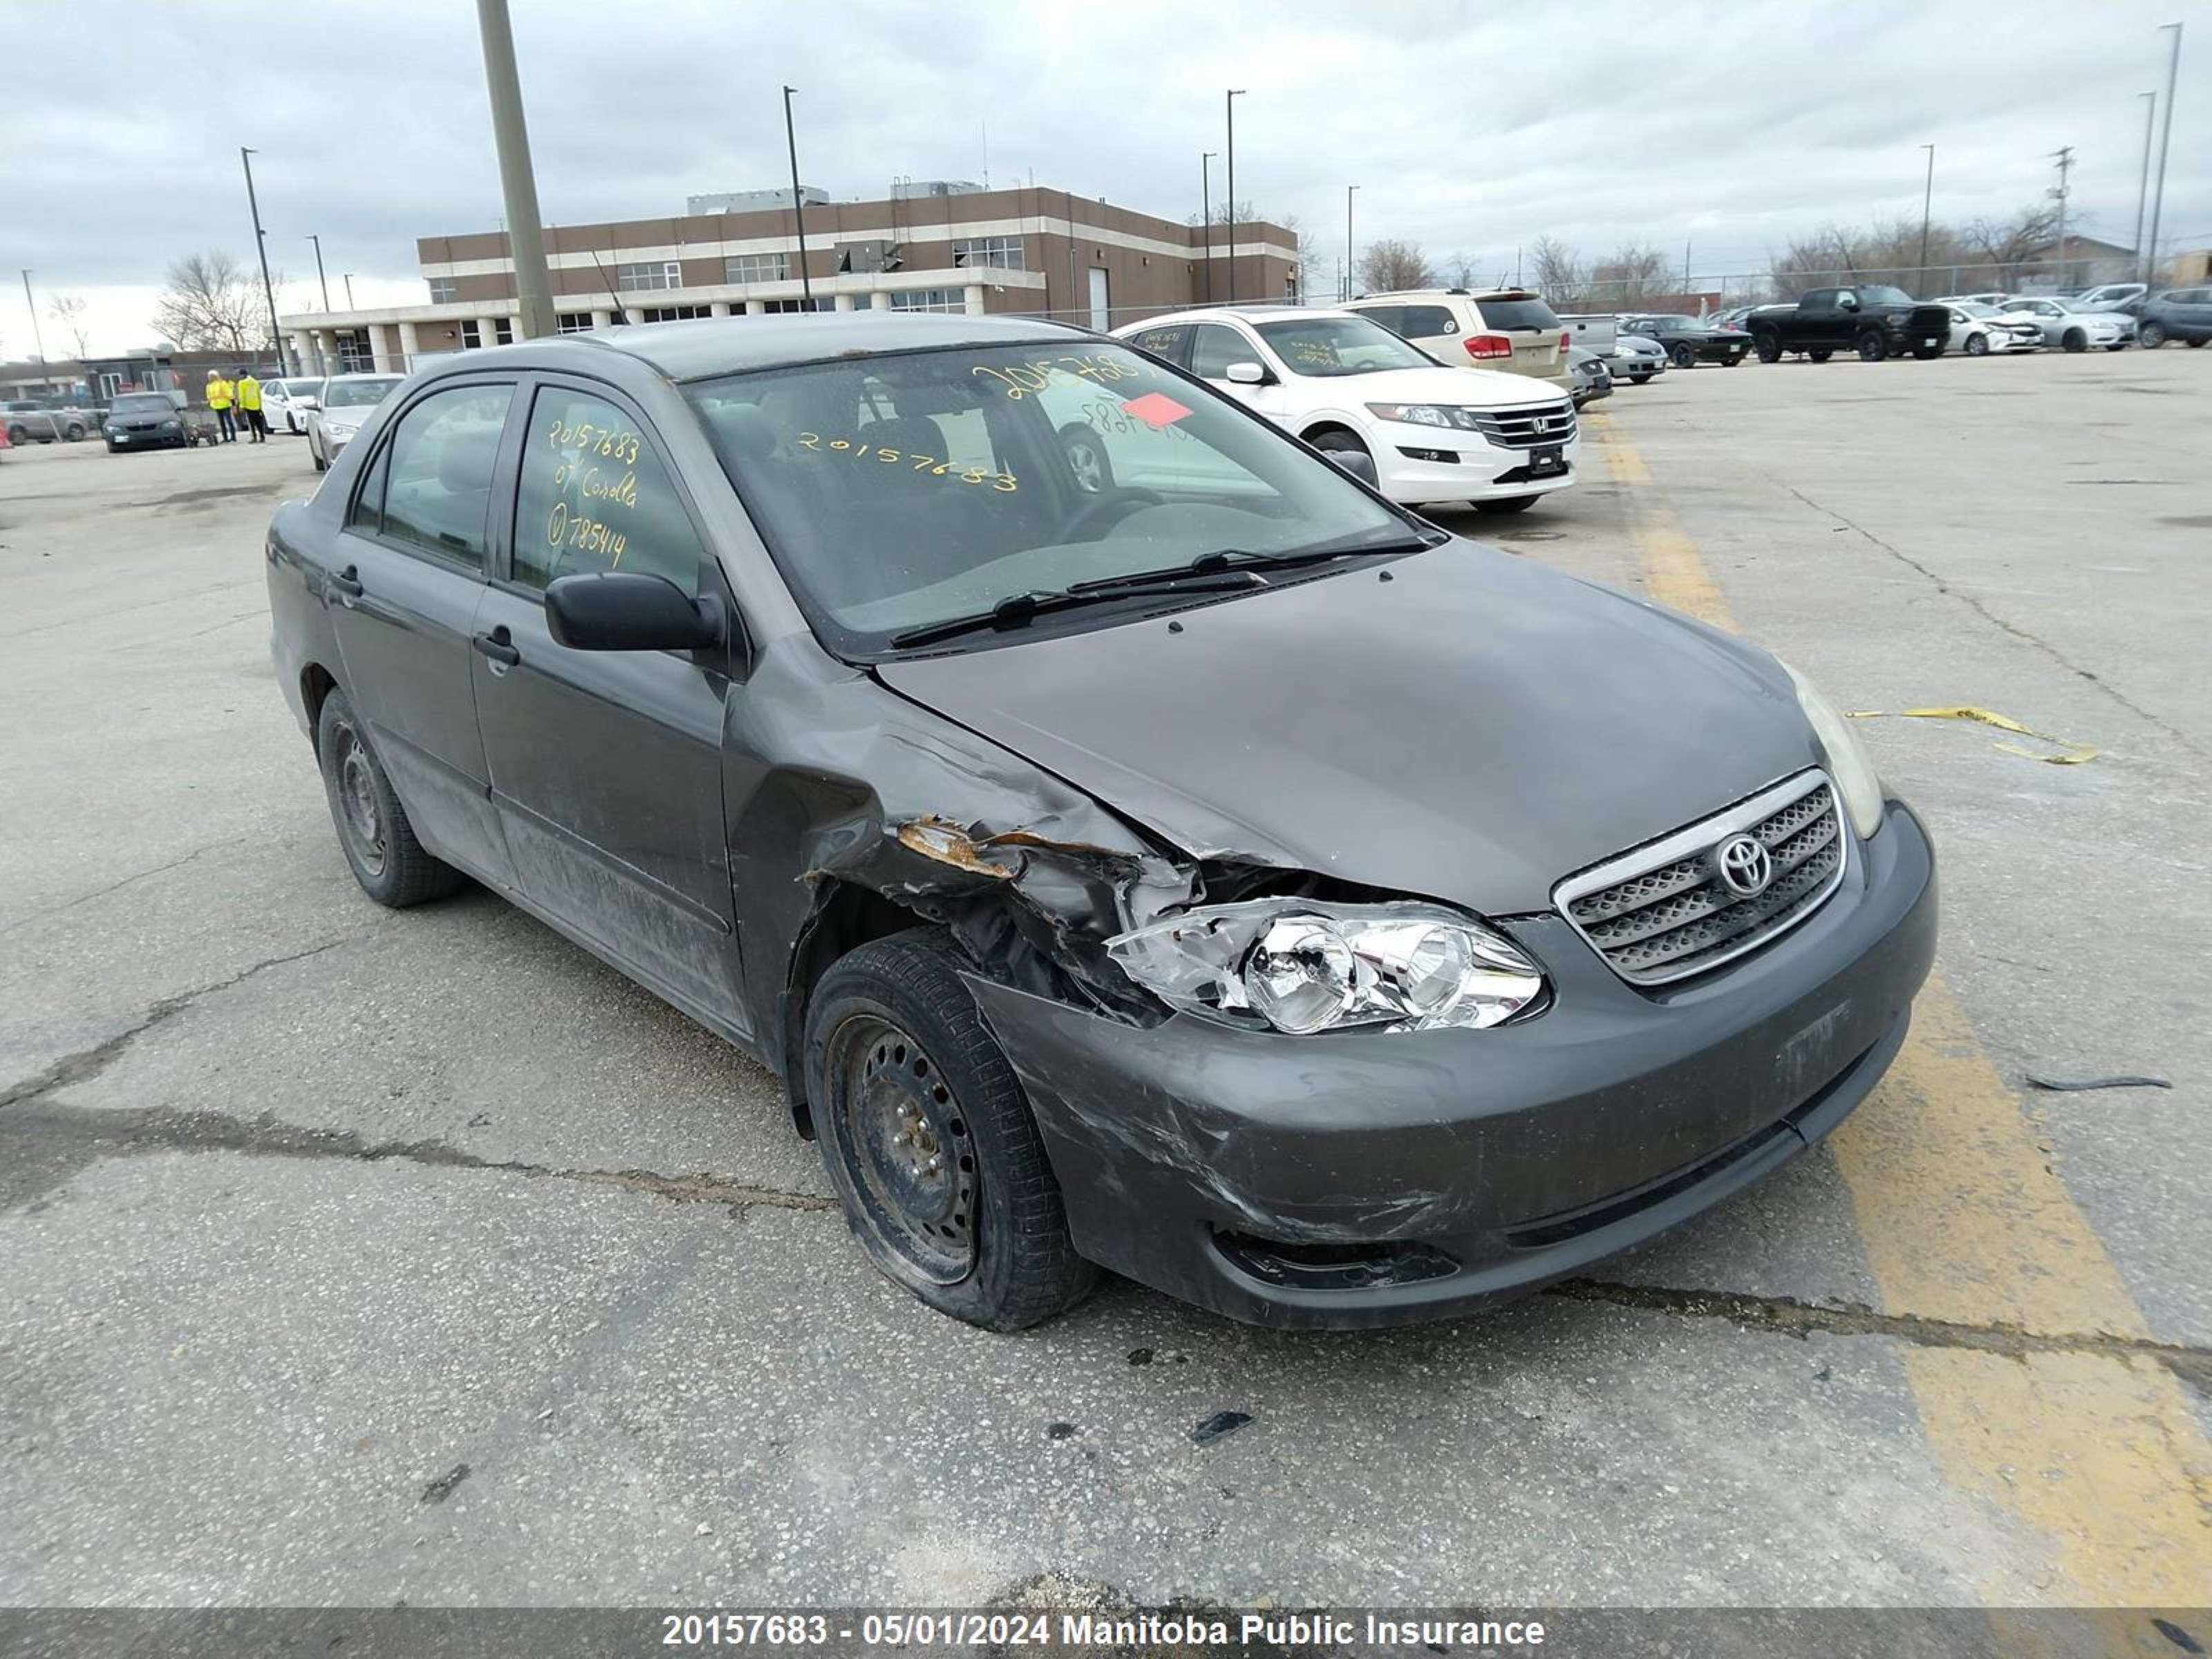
{"x": 1848, "y": 763}
{"x": 1304, "y": 965}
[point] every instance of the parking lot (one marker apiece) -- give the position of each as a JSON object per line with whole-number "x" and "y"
{"x": 356, "y": 1256}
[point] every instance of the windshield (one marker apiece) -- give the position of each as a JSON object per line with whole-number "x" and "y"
{"x": 2077, "y": 305}
{"x": 1328, "y": 346}
{"x": 349, "y": 394}
{"x": 898, "y": 491}
{"x": 1880, "y": 293}
{"x": 141, "y": 403}
{"x": 1975, "y": 308}
{"x": 301, "y": 388}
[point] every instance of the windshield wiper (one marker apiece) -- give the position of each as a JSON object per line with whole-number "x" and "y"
{"x": 1228, "y": 560}
{"x": 1018, "y": 609}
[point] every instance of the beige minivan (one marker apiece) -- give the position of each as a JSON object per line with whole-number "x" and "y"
{"x": 1506, "y": 328}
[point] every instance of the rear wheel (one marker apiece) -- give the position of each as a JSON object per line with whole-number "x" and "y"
{"x": 1977, "y": 345}
{"x": 1683, "y": 355}
{"x": 2151, "y": 336}
{"x": 1873, "y": 346}
{"x": 2075, "y": 340}
{"x": 2118, "y": 345}
{"x": 930, "y": 1142}
{"x": 2193, "y": 344}
{"x": 1507, "y": 504}
{"x": 1087, "y": 462}
{"x": 73, "y": 432}
{"x": 1822, "y": 355}
{"x": 379, "y": 842}
{"x": 1645, "y": 379}
{"x": 18, "y": 435}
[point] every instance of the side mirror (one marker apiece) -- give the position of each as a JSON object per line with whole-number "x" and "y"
{"x": 1358, "y": 462}
{"x": 1247, "y": 373}
{"x": 629, "y": 611}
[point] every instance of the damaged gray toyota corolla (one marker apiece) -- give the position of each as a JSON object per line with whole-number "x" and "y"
{"x": 1135, "y": 844}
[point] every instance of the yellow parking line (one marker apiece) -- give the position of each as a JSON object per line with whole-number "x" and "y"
{"x": 1964, "y": 1220}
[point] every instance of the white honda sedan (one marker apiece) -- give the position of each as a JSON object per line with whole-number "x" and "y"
{"x": 1429, "y": 433}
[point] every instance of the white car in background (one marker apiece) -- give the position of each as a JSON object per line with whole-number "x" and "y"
{"x": 285, "y": 403}
{"x": 1979, "y": 329}
{"x": 2073, "y": 325}
{"x": 343, "y": 402}
{"x": 1424, "y": 432}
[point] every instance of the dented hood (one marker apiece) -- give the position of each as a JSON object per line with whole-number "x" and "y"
{"x": 1471, "y": 730}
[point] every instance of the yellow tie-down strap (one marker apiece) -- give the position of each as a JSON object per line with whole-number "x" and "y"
{"x": 2075, "y": 754}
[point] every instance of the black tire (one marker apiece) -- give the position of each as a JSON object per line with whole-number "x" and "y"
{"x": 2075, "y": 340}
{"x": 1508, "y": 504}
{"x": 1821, "y": 353}
{"x": 1683, "y": 355}
{"x": 316, "y": 456}
{"x": 1735, "y": 361}
{"x": 2151, "y": 336}
{"x": 1338, "y": 439}
{"x": 2193, "y": 344}
{"x": 1926, "y": 354}
{"x": 958, "y": 1205}
{"x": 1639, "y": 380}
{"x": 2118, "y": 345}
{"x": 1873, "y": 346}
{"x": 1977, "y": 345}
{"x": 73, "y": 432}
{"x": 1769, "y": 347}
{"x": 1088, "y": 463}
{"x": 18, "y": 436}
{"x": 373, "y": 833}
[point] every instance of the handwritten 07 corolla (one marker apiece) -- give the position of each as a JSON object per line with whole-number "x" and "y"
{"x": 1198, "y": 868}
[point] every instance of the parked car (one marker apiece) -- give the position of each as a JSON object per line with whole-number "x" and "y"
{"x": 1506, "y": 328}
{"x": 286, "y": 403}
{"x": 32, "y": 421}
{"x": 1593, "y": 376}
{"x": 1245, "y": 888}
{"x": 2115, "y": 296}
{"x": 1424, "y": 432}
{"x": 341, "y": 405}
{"x": 1978, "y": 330}
{"x": 2073, "y": 325}
{"x": 145, "y": 420}
{"x": 1688, "y": 342}
{"x": 1876, "y": 320}
{"x": 1636, "y": 357}
{"x": 2179, "y": 313}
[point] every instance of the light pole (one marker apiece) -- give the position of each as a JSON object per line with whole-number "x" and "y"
{"x": 37, "y": 340}
{"x": 1205, "y": 213}
{"x": 1229, "y": 103}
{"x": 798, "y": 206}
{"x": 349, "y": 286}
{"x": 1927, "y": 201}
{"x": 2064, "y": 157}
{"x": 323, "y": 281}
{"x": 261, "y": 246}
{"x": 2165, "y": 145}
{"x": 1346, "y": 293}
{"x": 525, "y": 237}
{"x": 2142, "y": 189}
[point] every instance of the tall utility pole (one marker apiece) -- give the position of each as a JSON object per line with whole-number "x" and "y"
{"x": 525, "y": 237}
{"x": 1927, "y": 203}
{"x": 1348, "y": 278}
{"x": 37, "y": 340}
{"x": 798, "y": 203}
{"x": 1229, "y": 103}
{"x": 1205, "y": 213}
{"x": 349, "y": 287}
{"x": 319, "y": 277}
{"x": 2142, "y": 188}
{"x": 261, "y": 246}
{"x": 2165, "y": 146}
{"x": 2064, "y": 157}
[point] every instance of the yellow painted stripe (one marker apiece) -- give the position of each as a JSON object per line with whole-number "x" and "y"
{"x": 1965, "y": 1219}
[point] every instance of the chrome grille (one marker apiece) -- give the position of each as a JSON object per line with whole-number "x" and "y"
{"x": 1663, "y": 912}
{"x": 1526, "y": 428}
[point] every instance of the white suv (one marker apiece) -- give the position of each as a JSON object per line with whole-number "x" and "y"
{"x": 1345, "y": 383}
{"x": 1505, "y": 328}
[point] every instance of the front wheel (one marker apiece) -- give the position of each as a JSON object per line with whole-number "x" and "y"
{"x": 1769, "y": 347}
{"x": 1645, "y": 380}
{"x": 379, "y": 842}
{"x": 1977, "y": 345}
{"x": 2151, "y": 336}
{"x": 1874, "y": 347}
{"x": 18, "y": 436}
{"x": 1822, "y": 355}
{"x": 1507, "y": 504}
{"x": 1087, "y": 461}
{"x": 929, "y": 1141}
{"x": 74, "y": 432}
{"x": 2075, "y": 340}
{"x": 2193, "y": 344}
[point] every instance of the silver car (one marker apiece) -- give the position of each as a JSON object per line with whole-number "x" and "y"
{"x": 2072, "y": 324}
{"x": 344, "y": 402}
{"x": 1636, "y": 357}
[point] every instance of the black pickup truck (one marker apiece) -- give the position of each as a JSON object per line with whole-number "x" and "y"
{"x": 1877, "y": 321}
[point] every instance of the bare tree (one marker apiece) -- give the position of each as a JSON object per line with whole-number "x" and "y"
{"x": 1462, "y": 271}
{"x": 211, "y": 304}
{"x": 1558, "y": 271}
{"x": 2007, "y": 244}
{"x": 67, "y": 311}
{"x": 1391, "y": 264}
{"x": 1632, "y": 273}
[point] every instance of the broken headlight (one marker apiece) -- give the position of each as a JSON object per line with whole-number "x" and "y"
{"x": 1304, "y": 965}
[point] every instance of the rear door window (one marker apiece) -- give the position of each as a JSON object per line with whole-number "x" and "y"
{"x": 429, "y": 489}
{"x": 1421, "y": 322}
{"x": 1391, "y": 316}
{"x": 1167, "y": 341}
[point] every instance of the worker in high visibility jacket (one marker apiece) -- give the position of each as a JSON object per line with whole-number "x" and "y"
{"x": 219, "y": 393}
{"x": 249, "y": 407}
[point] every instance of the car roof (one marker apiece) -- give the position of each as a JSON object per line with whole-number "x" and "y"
{"x": 1248, "y": 314}
{"x": 1452, "y": 293}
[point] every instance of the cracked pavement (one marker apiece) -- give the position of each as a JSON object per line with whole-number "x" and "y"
{"x": 351, "y": 1257}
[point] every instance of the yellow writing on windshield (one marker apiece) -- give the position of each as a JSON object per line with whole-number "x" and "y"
{"x": 1004, "y": 483}
{"x": 1019, "y": 380}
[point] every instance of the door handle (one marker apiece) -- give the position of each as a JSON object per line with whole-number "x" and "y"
{"x": 499, "y": 645}
{"x": 347, "y": 583}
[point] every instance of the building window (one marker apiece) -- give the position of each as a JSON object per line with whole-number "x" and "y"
{"x": 471, "y": 335}
{"x": 777, "y": 308}
{"x": 645, "y": 277}
{"x": 1002, "y": 252}
{"x": 673, "y": 314}
{"x": 930, "y": 298}
{"x": 504, "y": 328}
{"x": 573, "y": 322}
{"x": 442, "y": 290}
{"x": 757, "y": 268}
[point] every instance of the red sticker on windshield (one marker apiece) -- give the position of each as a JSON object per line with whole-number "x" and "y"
{"x": 1156, "y": 410}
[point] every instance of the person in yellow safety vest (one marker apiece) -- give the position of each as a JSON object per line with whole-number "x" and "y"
{"x": 249, "y": 406}
{"x": 219, "y": 394}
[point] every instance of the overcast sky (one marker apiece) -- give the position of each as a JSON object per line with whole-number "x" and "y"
{"x": 1469, "y": 127}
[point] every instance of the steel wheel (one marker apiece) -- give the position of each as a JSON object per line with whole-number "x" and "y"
{"x": 361, "y": 816}
{"x": 908, "y": 1141}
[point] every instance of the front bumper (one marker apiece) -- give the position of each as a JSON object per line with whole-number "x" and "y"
{"x": 1363, "y": 1179}
{"x": 1478, "y": 471}
{"x": 1724, "y": 351}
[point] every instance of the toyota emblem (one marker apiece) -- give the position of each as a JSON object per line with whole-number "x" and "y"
{"x": 1746, "y": 866}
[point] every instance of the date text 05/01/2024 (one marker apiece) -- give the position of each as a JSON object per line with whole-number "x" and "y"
{"x": 1118, "y": 1630}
